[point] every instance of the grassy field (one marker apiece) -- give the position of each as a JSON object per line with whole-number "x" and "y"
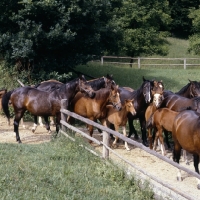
{"x": 61, "y": 169}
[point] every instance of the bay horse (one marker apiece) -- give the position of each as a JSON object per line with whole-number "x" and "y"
{"x": 95, "y": 108}
{"x": 157, "y": 100}
{"x": 186, "y": 135}
{"x": 142, "y": 98}
{"x": 161, "y": 120}
{"x": 119, "y": 118}
{"x": 42, "y": 103}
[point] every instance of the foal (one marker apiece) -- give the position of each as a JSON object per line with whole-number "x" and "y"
{"x": 119, "y": 118}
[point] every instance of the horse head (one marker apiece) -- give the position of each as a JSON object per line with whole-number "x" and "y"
{"x": 194, "y": 88}
{"x": 109, "y": 81}
{"x": 129, "y": 106}
{"x": 157, "y": 99}
{"x": 146, "y": 89}
{"x": 85, "y": 88}
{"x": 114, "y": 97}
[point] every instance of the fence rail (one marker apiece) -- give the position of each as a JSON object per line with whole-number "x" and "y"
{"x": 106, "y": 148}
{"x": 141, "y": 61}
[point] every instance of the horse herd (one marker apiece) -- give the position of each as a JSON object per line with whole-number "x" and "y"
{"x": 158, "y": 110}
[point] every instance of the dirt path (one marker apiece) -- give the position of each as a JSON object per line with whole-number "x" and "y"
{"x": 147, "y": 162}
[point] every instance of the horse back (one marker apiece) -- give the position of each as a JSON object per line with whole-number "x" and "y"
{"x": 186, "y": 130}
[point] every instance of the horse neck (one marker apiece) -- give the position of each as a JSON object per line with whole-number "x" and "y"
{"x": 97, "y": 84}
{"x": 68, "y": 90}
{"x": 185, "y": 91}
{"x": 102, "y": 96}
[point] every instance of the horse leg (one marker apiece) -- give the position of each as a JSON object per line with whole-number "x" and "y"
{"x": 143, "y": 130}
{"x": 52, "y": 121}
{"x": 22, "y": 123}
{"x": 166, "y": 133}
{"x": 196, "y": 166}
{"x": 90, "y": 129}
{"x": 35, "y": 124}
{"x": 40, "y": 121}
{"x": 150, "y": 138}
{"x": 176, "y": 157}
{"x": 124, "y": 132}
{"x": 162, "y": 144}
{"x": 17, "y": 118}
{"x": 58, "y": 118}
{"x": 46, "y": 119}
{"x": 132, "y": 128}
{"x": 113, "y": 128}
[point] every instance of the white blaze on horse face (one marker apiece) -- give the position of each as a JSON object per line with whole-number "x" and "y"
{"x": 157, "y": 99}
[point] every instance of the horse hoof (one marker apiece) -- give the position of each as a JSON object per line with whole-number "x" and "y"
{"x": 198, "y": 186}
{"x": 33, "y": 130}
{"x": 19, "y": 141}
{"x": 136, "y": 137}
{"x": 127, "y": 149}
{"x": 145, "y": 144}
{"x": 179, "y": 178}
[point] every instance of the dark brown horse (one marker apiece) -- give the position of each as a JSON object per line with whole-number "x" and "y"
{"x": 142, "y": 98}
{"x": 192, "y": 89}
{"x": 178, "y": 103}
{"x": 41, "y": 103}
{"x": 95, "y": 108}
{"x": 186, "y": 135}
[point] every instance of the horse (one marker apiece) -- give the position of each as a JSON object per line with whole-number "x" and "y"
{"x": 157, "y": 100}
{"x": 142, "y": 98}
{"x": 192, "y": 89}
{"x": 176, "y": 102}
{"x": 51, "y": 85}
{"x": 119, "y": 118}
{"x": 95, "y": 108}
{"x": 161, "y": 120}
{"x": 186, "y": 135}
{"x": 42, "y": 103}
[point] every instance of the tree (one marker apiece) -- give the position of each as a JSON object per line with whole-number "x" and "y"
{"x": 194, "y": 40}
{"x": 54, "y": 35}
{"x": 181, "y": 25}
{"x": 145, "y": 25}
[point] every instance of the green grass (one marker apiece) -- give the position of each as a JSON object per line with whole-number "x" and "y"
{"x": 173, "y": 79}
{"x": 61, "y": 169}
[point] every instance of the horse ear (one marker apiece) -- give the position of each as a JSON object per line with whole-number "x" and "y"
{"x": 82, "y": 77}
{"x": 143, "y": 78}
{"x": 109, "y": 76}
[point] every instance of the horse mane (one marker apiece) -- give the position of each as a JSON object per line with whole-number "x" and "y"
{"x": 96, "y": 83}
{"x": 184, "y": 89}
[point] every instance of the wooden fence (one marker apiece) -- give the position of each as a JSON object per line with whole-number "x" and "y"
{"x": 141, "y": 61}
{"x": 107, "y": 149}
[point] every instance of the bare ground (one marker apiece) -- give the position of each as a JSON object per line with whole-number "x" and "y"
{"x": 141, "y": 159}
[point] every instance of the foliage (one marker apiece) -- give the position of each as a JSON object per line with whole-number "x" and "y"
{"x": 53, "y": 35}
{"x": 181, "y": 25}
{"x": 61, "y": 169}
{"x": 195, "y": 38}
{"x": 145, "y": 25}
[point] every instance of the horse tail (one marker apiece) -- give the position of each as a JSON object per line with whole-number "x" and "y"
{"x": 150, "y": 121}
{"x": 5, "y": 102}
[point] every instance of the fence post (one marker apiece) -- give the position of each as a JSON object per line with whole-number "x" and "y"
{"x": 106, "y": 139}
{"x": 102, "y": 60}
{"x": 64, "y": 104}
{"x": 184, "y": 63}
{"x": 138, "y": 62}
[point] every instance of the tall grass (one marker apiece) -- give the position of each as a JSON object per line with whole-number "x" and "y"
{"x": 60, "y": 170}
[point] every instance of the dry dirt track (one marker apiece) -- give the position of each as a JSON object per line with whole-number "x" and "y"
{"x": 149, "y": 163}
